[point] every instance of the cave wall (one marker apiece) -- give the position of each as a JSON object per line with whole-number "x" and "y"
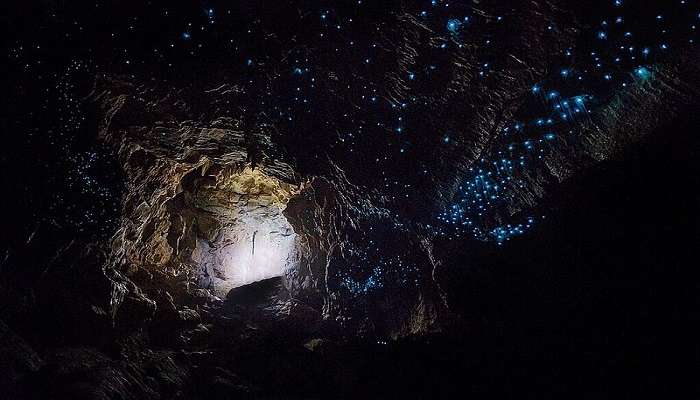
{"x": 186, "y": 209}
{"x": 356, "y": 259}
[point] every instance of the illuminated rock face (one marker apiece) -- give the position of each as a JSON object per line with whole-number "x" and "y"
{"x": 198, "y": 221}
{"x": 224, "y": 227}
{"x": 261, "y": 252}
{"x": 255, "y": 241}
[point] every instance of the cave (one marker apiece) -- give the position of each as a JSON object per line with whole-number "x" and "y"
{"x": 350, "y": 199}
{"x": 241, "y": 233}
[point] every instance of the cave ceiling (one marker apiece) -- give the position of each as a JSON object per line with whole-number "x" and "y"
{"x": 366, "y": 168}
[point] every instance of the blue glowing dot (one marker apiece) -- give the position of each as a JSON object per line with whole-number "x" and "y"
{"x": 642, "y": 73}
{"x": 454, "y": 25}
{"x": 549, "y": 136}
{"x": 602, "y": 35}
{"x": 535, "y": 89}
{"x": 186, "y": 35}
{"x": 617, "y": 3}
{"x": 564, "y": 72}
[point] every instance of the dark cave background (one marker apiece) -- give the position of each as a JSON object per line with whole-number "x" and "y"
{"x": 598, "y": 300}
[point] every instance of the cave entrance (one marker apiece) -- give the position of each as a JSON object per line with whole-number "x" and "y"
{"x": 244, "y": 235}
{"x": 258, "y": 247}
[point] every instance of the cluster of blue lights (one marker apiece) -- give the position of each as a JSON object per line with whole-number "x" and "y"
{"x": 378, "y": 268}
{"x": 503, "y": 233}
{"x": 486, "y": 196}
{"x": 363, "y": 286}
{"x": 581, "y": 81}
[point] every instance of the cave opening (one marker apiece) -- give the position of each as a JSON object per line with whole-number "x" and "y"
{"x": 242, "y": 234}
{"x": 257, "y": 246}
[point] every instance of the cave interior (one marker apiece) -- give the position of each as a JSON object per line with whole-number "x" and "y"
{"x": 352, "y": 199}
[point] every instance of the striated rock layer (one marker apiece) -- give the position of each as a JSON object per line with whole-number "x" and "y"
{"x": 260, "y": 255}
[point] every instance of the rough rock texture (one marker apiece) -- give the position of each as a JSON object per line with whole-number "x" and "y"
{"x": 174, "y": 304}
{"x": 189, "y": 209}
{"x": 199, "y": 191}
